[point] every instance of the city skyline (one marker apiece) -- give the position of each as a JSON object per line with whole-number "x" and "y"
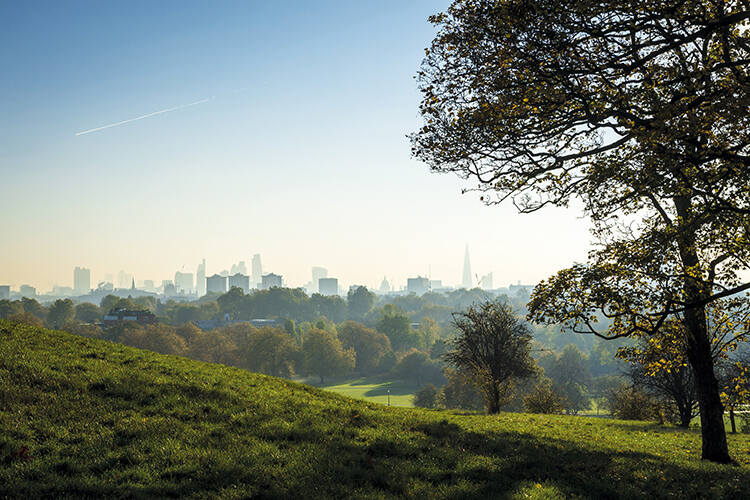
{"x": 186, "y": 281}
{"x": 302, "y": 156}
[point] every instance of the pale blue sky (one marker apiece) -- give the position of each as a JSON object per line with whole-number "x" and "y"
{"x": 301, "y": 156}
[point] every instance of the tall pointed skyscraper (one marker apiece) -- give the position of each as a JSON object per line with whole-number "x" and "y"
{"x": 467, "y": 282}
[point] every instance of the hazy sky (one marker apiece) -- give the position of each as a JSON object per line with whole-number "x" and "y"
{"x": 293, "y": 146}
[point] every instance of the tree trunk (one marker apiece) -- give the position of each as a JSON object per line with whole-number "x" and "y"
{"x": 493, "y": 399}
{"x": 713, "y": 433}
{"x": 731, "y": 420}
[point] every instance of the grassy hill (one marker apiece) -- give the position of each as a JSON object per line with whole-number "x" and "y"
{"x": 86, "y": 418}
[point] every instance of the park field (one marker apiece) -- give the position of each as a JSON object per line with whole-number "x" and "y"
{"x": 376, "y": 389}
{"x": 82, "y": 418}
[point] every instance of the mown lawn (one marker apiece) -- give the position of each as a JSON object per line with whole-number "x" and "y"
{"x": 375, "y": 389}
{"x": 83, "y": 418}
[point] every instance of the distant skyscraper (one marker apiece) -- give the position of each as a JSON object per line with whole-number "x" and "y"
{"x": 328, "y": 286}
{"x": 486, "y": 282}
{"x": 270, "y": 280}
{"x": 467, "y": 282}
{"x": 81, "y": 281}
{"x": 241, "y": 281}
{"x": 317, "y": 274}
{"x": 4, "y": 291}
{"x": 27, "y": 291}
{"x": 200, "y": 279}
{"x": 216, "y": 283}
{"x": 257, "y": 271}
{"x": 418, "y": 285}
{"x": 183, "y": 282}
{"x": 124, "y": 279}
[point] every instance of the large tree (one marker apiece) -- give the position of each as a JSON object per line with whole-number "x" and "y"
{"x": 637, "y": 108}
{"x": 494, "y": 347}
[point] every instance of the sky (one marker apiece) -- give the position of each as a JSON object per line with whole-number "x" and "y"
{"x": 283, "y": 133}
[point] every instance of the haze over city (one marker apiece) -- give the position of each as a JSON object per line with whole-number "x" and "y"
{"x": 147, "y": 141}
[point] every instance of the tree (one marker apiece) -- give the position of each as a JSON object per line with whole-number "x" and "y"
{"x": 570, "y": 377}
{"x": 324, "y": 355}
{"x": 60, "y": 312}
{"x": 396, "y": 325}
{"x": 639, "y": 110}
{"x": 426, "y": 397}
{"x": 359, "y": 301}
{"x": 369, "y": 345}
{"x": 108, "y": 302}
{"x": 31, "y": 306}
{"x": 271, "y": 351}
{"x": 494, "y": 347}
{"x": 88, "y": 313}
{"x": 460, "y": 391}
{"x": 416, "y": 367}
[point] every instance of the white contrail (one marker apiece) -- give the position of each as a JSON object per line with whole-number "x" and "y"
{"x": 144, "y": 116}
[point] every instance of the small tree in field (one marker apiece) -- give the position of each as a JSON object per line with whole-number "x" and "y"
{"x": 494, "y": 347}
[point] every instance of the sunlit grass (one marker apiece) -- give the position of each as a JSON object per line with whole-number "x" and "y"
{"x": 86, "y": 418}
{"x": 376, "y": 389}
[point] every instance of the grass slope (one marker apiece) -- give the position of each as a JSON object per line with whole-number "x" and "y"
{"x": 86, "y": 418}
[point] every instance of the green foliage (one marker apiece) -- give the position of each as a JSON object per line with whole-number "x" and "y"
{"x": 397, "y": 326}
{"x": 418, "y": 368}
{"x": 324, "y": 356}
{"x": 89, "y": 419}
{"x": 88, "y": 313}
{"x": 544, "y": 399}
{"x": 630, "y": 403}
{"x": 370, "y": 345}
{"x": 460, "y": 392}
{"x": 426, "y": 397}
{"x": 570, "y": 377}
{"x": 359, "y": 302}
{"x": 60, "y": 312}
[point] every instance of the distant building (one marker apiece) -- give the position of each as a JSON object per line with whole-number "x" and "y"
{"x": 486, "y": 282}
{"x": 27, "y": 291}
{"x": 385, "y": 287}
{"x": 200, "y": 279}
{"x": 149, "y": 285}
{"x": 183, "y": 282}
{"x": 418, "y": 285}
{"x": 240, "y": 281}
{"x": 216, "y": 283}
{"x": 328, "y": 286}
{"x": 124, "y": 279}
{"x": 81, "y": 281}
{"x": 257, "y": 271}
{"x": 435, "y": 284}
{"x": 168, "y": 288}
{"x": 317, "y": 274}
{"x": 4, "y": 292}
{"x": 467, "y": 282}
{"x": 61, "y": 291}
{"x": 270, "y": 280}
{"x": 141, "y": 317}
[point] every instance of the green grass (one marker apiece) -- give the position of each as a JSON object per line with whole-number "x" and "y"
{"x": 375, "y": 389}
{"x": 84, "y": 418}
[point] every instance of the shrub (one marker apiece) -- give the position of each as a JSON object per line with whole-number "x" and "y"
{"x": 544, "y": 399}
{"x": 629, "y": 403}
{"x": 426, "y": 397}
